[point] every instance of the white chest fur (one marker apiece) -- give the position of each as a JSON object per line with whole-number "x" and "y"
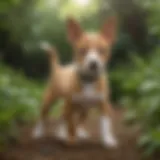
{"x": 89, "y": 95}
{"x": 88, "y": 90}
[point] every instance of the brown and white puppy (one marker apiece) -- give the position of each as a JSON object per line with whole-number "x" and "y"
{"x": 83, "y": 84}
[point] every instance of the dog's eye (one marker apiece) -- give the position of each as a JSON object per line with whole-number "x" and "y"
{"x": 83, "y": 51}
{"x": 102, "y": 50}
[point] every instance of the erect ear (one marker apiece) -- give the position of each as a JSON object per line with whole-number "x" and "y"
{"x": 74, "y": 30}
{"x": 109, "y": 30}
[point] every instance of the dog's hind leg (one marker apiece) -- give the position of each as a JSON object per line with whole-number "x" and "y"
{"x": 49, "y": 98}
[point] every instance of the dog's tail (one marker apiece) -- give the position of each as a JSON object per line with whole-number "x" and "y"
{"x": 52, "y": 52}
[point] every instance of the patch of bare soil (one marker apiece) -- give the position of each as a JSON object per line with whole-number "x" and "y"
{"x": 49, "y": 148}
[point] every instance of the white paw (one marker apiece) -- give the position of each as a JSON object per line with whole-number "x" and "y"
{"x": 82, "y": 133}
{"x": 107, "y": 133}
{"x": 61, "y": 132}
{"x": 38, "y": 131}
{"x": 110, "y": 141}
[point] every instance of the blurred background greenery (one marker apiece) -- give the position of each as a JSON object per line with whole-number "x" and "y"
{"x": 134, "y": 67}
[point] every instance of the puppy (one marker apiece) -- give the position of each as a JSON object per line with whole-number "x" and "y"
{"x": 83, "y": 84}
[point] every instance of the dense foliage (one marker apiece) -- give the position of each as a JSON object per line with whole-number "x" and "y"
{"x": 139, "y": 87}
{"x": 19, "y": 100}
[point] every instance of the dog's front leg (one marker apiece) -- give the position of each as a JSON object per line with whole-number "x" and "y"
{"x": 81, "y": 131}
{"x": 70, "y": 122}
{"x": 66, "y": 131}
{"x": 106, "y": 126}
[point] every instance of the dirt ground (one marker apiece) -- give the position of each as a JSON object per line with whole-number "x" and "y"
{"x": 49, "y": 148}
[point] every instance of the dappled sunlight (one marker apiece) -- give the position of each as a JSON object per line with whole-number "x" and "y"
{"x": 82, "y": 3}
{"x": 79, "y": 9}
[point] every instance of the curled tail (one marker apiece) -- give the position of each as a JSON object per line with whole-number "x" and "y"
{"x": 51, "y": 51}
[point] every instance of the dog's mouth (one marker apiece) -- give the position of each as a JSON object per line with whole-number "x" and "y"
{"x": 89, "y": 76}
{"x": 90, "y": 72}
{"x": 93, "y": 70}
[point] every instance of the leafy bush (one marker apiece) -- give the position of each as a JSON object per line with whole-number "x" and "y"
{"x": 139, "y": 87}
{"x": 19, "y": 99}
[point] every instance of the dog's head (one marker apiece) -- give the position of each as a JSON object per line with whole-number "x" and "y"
{"x": 92, "y": 50}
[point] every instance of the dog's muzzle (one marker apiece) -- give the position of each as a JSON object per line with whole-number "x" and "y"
{"x": 93, "y": 66}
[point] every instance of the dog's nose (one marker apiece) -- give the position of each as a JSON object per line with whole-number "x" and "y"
{"x": 93, "y": 65}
